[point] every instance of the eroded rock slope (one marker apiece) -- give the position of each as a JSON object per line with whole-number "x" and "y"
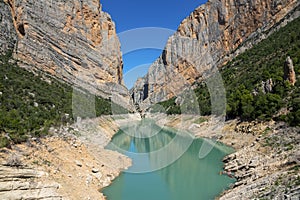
{"x": 211, "y": 36}
{"x": 72, "y": 40}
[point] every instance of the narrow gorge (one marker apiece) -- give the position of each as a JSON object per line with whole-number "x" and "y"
{"x": 211, "y": 36}
{"x": 70, "y": 129}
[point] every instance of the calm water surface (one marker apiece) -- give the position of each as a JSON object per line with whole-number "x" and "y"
{"x": 188, "y": 178}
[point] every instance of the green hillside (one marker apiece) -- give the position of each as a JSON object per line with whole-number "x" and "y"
{"x": 29, "y": 105}
{"x": 245, "y": 73}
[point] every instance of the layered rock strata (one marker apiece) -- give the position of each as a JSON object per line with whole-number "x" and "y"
{"x": 20, "y": 183}
{"x": 211, "y": 36}
{"x": 74, "y": 41}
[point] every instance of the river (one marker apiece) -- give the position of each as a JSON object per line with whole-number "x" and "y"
{"x": 167, "y": 165}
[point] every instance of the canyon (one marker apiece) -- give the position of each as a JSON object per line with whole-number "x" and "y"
{"x": 74, "y": 41}
{"x": 211, "y": 36}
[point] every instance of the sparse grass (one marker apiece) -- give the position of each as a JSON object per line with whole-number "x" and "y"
{"x": 46, "y": 162}
{"x": 266, "y": 131}
{"x": 200, "y": 120}
{"x": 267, "y": 142}
{"x": 35, "y": 162}
{"x": 296, "y": 168}
{"x": 297, "y": 181}
{"x": 289, "y": 146}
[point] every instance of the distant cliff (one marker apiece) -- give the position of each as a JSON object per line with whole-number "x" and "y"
{"x": 211, "y": 36}
{"x": 72, "y": 40}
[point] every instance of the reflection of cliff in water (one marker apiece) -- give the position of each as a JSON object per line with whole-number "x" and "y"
{"x": 187, "y": 178}
{"x": 154, "y": 147}
{"x": 146, "y": 137}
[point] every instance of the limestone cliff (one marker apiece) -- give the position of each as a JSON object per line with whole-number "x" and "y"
{"x": 211, "y": 36}
{"x": 289, "y": 72}
{"x": 72, "y": 40}
{"x": 8, "y": 34}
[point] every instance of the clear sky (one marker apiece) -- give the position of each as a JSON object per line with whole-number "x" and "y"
{"x": 141, "y": 46}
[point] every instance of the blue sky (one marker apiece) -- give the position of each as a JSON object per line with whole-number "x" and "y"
{"x": 131, "y": 16}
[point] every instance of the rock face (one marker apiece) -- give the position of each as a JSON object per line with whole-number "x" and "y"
{"x": 211, "y": 36}
{"x": 289, "y": 72}
{"x": 20, "y": 183}
{"x": 139, "y": 90}
{"x": 72, "y": 40}
{"x": 265, "y": 174}
{"x": 8, "y": 35}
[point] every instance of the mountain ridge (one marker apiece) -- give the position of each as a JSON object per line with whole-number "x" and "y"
{"x": 203, "y": 42}
{"x": 73, "y": 41}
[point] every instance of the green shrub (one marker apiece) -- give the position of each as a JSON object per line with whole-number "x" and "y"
{"x": 29, "y": 105}
{"x": 246, "y": 72}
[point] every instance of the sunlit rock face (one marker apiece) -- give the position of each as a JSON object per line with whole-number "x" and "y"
{"x": 289, "y": 72}
{"x": 211, "y": 36}
{"x": 74, "y": 41}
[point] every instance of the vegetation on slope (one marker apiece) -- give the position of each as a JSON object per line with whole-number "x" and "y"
{"x": 29, "y": 105}
{"x": 244, "y": 74}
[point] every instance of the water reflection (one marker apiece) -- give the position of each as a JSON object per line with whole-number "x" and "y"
{"x": 161, "y": 146}
{"x": 186, "y": 178}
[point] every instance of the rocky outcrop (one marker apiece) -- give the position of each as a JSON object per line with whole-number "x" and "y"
{"x": 72, "y": 163}
{"x": 266, "y": 160}
{"x": 72, "y": 40}
{"x": 265, "y": 87}
{"x": 139, "y": 90}
{"x": 289, "y": 72}
{"x": 8, "y": 35}
{"x": 20, "y": 183}
{"x": 268, "y": 167}
{"x": 211, "y": 36}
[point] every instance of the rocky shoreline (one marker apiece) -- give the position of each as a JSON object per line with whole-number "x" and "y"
{"x": 266, "y": 163}
{"x": 268, "y": 168}
{"x": 71, "y": 163}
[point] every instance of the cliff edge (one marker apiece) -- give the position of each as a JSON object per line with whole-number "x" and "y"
{"x": 74, "y": 41}
{"x": 211, "y": 36}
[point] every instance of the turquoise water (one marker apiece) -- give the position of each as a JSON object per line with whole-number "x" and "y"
{"x": 188, "y": 178}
